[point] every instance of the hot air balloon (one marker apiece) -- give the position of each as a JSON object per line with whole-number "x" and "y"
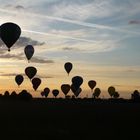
{"x": 77, "y": 81}
{"x": 96, "y": 93}
{"x": 111, "y": 91}
{"x": 76, "y": 91}
{"x": 65, "y": 88}
{"x": 9, "y": 33}
{"x": 68, "y": 67}
{"x": 55, "y": 92}
{"x": 92, "y": 84}
{"x": 29, "y": 51}
{"x": 19, "y": 79}
{"x": 36, "y": 83}
{"x": 42, "y": 93}
{"x": 46, "y": 91}
{"x": 30, "y": 72}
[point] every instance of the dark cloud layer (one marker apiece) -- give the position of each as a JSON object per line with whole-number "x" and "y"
{"x": 21, "y": 56}
{"x": 14, "y": 7}
{"x": 70, "y": 49}
{"x": 39, "y": 60}
{"x": 24, "y": 75}
{"x": 23, "y": 41}
{"x": 134, "y": 22}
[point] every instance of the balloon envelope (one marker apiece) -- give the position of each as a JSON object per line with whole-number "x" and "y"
{"x": 19, "y": 79}
{"x": 29, "y": 51}
{"x": 42, "y": 93}
{"x": 76, "y": 90}
{"x": 9, "y": 33}
{"x": 36, "y": 83}
{"x": 77, "y": 81}
{"x": 92, "y": 84}
{"x": 111, "y": 91}
{"x": 65, "y": 88}
{"x": 68, "y": 67}
{"x": 46, "y": 91}
{"x": 30, "y": 72}
{"x": 55, "y": 92}
{"x": 97, "y": 92}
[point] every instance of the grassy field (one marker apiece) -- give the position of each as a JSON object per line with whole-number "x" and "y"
{"x": 69, "y": 119}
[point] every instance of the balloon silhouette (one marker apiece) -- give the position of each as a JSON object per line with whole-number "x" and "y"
{"x": 36, "y": 83}
{"x": 46, "y": 91}
{"x": 29, "y": 51}
{"x": 55, "y": 92}
{"x": 30, "y": 72}
{"x": 9, "y": 33}
{"x": 19, "y": 79}
{"x": 111, "y": 91}
{"x": 68, "y": 67}
{"x": 92, "y": 84}
{"x": 73, "y": 89}
{"x": 96, "y": 93}
{"x": 42, "y": 93}
{"x": 116, "y": 95}
{"x": 65, "y": 88}
{"x": 77, "y": 81}
{"x": 76, "y": 92}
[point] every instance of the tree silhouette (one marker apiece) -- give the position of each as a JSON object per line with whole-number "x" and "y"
{"x": 24, "y": 95}
{"x": 135, "y": 95}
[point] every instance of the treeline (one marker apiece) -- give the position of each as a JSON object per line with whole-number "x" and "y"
{"x": 24, "y": 95}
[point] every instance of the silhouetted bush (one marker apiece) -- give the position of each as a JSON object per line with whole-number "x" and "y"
{"x": 135, "y": 96}
{"x": 24, "y": 95}
{"x": 6, "y": 94}
{"x": 13, "y": 95}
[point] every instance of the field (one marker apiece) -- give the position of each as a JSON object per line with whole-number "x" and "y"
{"x": 69, "y": 119}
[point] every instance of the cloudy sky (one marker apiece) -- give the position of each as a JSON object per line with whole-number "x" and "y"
{"x": 100, "y": 38}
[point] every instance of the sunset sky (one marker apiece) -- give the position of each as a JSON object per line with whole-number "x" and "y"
{"x": 100, "y": 37}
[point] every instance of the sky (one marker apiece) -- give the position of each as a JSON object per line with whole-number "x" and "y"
{"x": 100, "y": 38}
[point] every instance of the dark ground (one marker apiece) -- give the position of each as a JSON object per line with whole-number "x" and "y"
{"x": 69, "y": 119}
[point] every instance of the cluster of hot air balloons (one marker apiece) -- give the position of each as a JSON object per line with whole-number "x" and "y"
{"x": 10, "y": 33}
{"x": 112, "y": 92}
{"x": 30, "y": 73}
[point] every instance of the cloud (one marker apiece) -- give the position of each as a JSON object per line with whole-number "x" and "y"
{"x": 68, "y": 49}
{"x": 23, "y": 41}
{"x": 126, "y": 86}
{"x": 44, "y": 76}
{"x": 134, "y": 22}
{"x": 21, "y": 56}
{"x": 24, "y": 75}
{"x": 14, "y": 7}
{"x": 13, "y": 56}
{"x": 10, "y": 74}
{"x": 19, "y": 7}
{"x": 39, "y": 60}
